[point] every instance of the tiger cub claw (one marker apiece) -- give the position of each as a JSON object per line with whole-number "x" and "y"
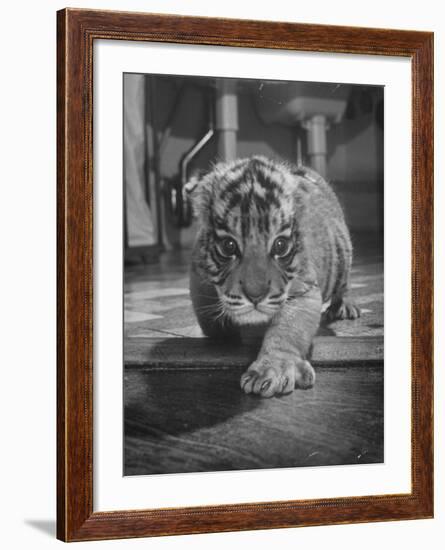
{"x": 345, "y": 309}
{"x": 269, "y": 376}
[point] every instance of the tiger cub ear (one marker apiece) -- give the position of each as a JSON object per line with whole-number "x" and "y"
{"x": 198, "y": 191}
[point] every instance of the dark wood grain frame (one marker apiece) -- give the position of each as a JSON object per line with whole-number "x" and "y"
{"x": 76, "y": 32}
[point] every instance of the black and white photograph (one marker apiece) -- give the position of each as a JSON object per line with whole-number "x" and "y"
{"x": 253, "y": 274}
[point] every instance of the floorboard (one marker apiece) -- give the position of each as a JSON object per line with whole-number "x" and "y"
{"x": 183, "y": 420}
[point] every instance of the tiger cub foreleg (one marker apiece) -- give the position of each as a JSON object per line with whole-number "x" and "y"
{"x": 281, "y": 364}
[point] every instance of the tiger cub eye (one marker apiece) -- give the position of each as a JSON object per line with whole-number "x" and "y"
{"x": 228, "y": 247}
{"x": 281, "y": 246}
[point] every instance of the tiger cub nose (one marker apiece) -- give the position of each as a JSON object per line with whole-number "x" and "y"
{"x": 255, "y": 291}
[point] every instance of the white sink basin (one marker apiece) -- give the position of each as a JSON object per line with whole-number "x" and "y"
{"x": 293, "y": 102}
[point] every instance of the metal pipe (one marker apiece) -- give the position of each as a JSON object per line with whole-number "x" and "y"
{"x": 316, "y": 144}
{"x": 192, "y": 153}
{"x": 226, "y": 118}
{"x": 179, "y": 199}
{"x": 188, "y": 157}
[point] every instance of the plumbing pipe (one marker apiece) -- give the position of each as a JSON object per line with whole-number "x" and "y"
{"x": 226, "y": 118}
{"x": 316, "y": 127}
{"x": 192, "y": 153}
{"x": 188, "y": 157}
{"x": 184, "y": 207}
{"x": 299, "y": 151}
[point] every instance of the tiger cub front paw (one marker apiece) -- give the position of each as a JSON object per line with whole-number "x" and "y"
{"x": 274, "y": 374}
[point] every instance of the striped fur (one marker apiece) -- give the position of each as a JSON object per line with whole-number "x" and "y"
{"x": 272, "y": 246}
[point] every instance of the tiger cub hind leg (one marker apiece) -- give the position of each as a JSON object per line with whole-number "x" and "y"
{"x": 341, "y": 308}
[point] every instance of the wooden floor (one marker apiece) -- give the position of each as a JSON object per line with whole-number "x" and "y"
{"x": 185, "y": 412}
{"x": 195, "y": 420}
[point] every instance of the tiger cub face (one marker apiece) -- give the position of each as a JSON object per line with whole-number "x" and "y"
{"x": 248, "y": 244}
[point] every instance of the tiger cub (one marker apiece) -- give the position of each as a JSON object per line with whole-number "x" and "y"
{"x": 272, "y": 248}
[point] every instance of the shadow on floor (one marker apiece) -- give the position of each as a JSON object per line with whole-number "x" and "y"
{"x": 174, "y": 401}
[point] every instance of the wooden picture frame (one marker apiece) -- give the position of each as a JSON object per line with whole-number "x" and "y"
{"x": 76, "y": 32}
